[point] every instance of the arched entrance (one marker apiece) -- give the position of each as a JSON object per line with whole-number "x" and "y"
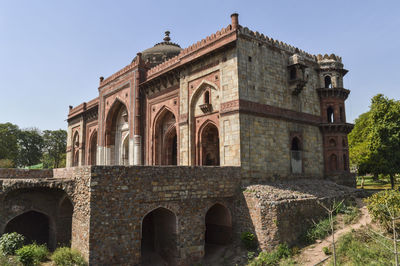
{"x": 33, "y": 225}
{"x": 333, "y": 162}
{"x": 64, "y": 222}
{"x": 117, "y": 129}
{"x": 209, "y": 145}
{"x": 218, "y": 228}
{"x": 165, "y": 139}
{"x": 159, "y": 238}
{"x": 93, "y": 149}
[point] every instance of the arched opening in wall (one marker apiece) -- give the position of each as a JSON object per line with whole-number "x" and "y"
{"x": 218, "y": 229}
{"x": 64, "y": 222}
{"x": 296, "y": 156}
{"x": 33, "y": 225}
{"x": 293, "y": 73}
{"x": 117, "y": 127}
{"x": 93, "y": 149}
{"x": 75, "y": 150}
{"x": 345, "y": 163}
{"x": 333, "y": 162}
{"x": 159, "y": 238}
{"x": 341, "y": 115}
{"x": 328, "y": 82}
{"x": 207, "y": 97}
{"x": 332, "y": 143}
{"x": 330, "y": 114}
{"x": 209, "y": 145}
{"x": 165, "y": 139}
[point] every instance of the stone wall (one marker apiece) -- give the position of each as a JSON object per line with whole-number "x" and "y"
{"x": 266, "y": 145}
{"x": 121, "y": 197}
{"x": 282, "y": 211}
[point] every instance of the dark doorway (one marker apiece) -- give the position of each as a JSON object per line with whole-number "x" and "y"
{"x": 34, "y": 226}
{"x": 64, "y": 222}
{"x": 159, "y": 243}
{"x": 210, "y": 145}
{"x": 218, "y": 230}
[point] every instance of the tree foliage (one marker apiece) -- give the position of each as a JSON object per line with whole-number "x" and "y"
{"x": 55, "y": 145}
{"x": 27, "y": 147}
{"x": 375, "y": 140}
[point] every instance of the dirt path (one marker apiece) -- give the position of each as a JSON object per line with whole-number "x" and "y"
{"x": 313, "y": 254}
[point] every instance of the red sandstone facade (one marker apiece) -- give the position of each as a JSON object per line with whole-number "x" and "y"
{"x": 174, "y": 106}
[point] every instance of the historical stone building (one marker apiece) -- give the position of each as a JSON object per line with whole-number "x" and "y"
{"x": 271, "y": 115}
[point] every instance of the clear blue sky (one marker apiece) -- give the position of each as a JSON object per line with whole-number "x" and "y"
{"x": 52, "y": 53}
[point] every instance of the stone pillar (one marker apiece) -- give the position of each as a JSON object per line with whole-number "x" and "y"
{"x": 137, "y": 150}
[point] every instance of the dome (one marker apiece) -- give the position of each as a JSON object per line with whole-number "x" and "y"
{"x": 161, "y": 51}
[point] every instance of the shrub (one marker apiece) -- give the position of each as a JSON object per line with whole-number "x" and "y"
{"x": 10, "y": 242}
{"x": 282, "y": 251}
{"x": 319, "y": 231}
{"x": 32, "y": 254}
{"x": 326, "y": 250}
{"x": 65, "y": 256}
{"x": 249, "y": 240}
{"x": 379, "y": 205}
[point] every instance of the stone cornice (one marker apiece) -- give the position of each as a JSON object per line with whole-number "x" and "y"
{"x": 264, "y": 110}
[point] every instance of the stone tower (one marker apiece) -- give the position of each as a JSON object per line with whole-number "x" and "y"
{"x": 334, "y": 127}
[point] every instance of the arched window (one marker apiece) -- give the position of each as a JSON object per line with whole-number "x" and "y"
{"x": 207, "y": 97}
{"x": 328, "y": 82}
{"x": 295, "y": 154}
{"x": 330, "y": 114}
{"x": 332, "y": 143}
{"x": 93, "y": 149}
{"x": 292, "y": 74}
{"x": 333, "y": 164}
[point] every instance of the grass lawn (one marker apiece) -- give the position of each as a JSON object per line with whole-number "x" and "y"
{"x": 382, "y": 183}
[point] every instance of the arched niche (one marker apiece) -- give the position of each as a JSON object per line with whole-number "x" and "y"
{"x": 117, "y": 128}
{"x": 165, "y": 141}
{"x": 209, "y": 153}
{"x": 75, "y": 149}
{"x": 333, "y": 162}
{"x": 159, "y": 238}
{"x": 93, "y": 148}
{"x": 296, "y": 162}
{"x": 330, "y": 114}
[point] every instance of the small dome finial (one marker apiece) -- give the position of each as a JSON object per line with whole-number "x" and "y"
{"x": 167, "y": 38}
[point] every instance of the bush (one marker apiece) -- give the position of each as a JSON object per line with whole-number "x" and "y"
{"x": 249, "y": 240}
{"x": 379, "y": 205}
{"x": 319, "y": 231}
{"x": 326, "y": 250}
{"x": 282, "y": 251}
{"x": 32, "y": 254}
{"x": 10, "y": 242}
{"x": 66, "y": 257}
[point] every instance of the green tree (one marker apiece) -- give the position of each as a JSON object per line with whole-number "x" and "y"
{"x": 55, "y": 145}
{"x": 374, "y": 142}
{"x": 30, "y": 147}
{"x": 385, "y": 136}
{"x": 9, "y": 142}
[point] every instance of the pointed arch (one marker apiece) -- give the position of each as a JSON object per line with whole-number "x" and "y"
{"x": 93, "y": 148}
{"x": 164, "y": 137}
{"x": 208, "y": 145}
{"x": 218, "y": 225}
{"x": 116, "y": 128}
{"x": 159, "y": 236}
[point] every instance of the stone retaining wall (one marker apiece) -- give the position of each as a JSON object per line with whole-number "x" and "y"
{"x": 12, "y": 173}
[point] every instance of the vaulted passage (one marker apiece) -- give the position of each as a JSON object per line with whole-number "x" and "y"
{"x": 33, "y": 225}
{"x": 159, "y": 238}
{"x": 218, "y": 229}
